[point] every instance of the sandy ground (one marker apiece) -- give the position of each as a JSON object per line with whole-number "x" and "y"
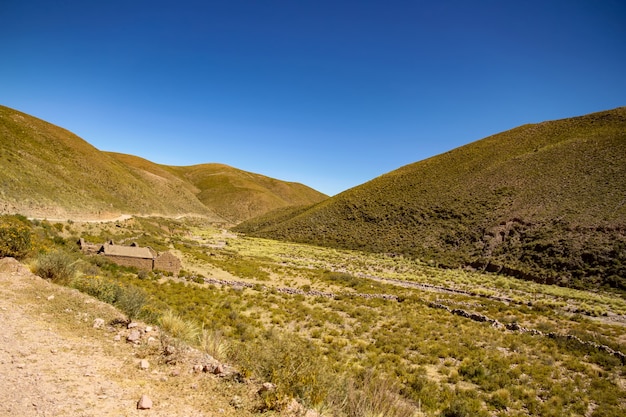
{"x": 53, "y": 362}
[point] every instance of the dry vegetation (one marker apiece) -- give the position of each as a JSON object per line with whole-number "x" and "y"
{"x": 314, "y": 322}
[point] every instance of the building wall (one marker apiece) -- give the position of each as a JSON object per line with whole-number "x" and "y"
{"x": 139, "y": 263}
{"x": 168, "y": 263}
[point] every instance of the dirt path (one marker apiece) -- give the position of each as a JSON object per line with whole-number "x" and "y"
{"x": 53, "y": 362}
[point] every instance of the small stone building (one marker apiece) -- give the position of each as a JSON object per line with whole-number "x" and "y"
{"x": 135, "y": 256}
{"x": 144, "y": 259}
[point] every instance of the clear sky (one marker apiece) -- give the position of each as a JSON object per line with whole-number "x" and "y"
{"x": 327, "y": 93}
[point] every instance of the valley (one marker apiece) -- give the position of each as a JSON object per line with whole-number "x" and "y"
{"x": 352, "y": 333}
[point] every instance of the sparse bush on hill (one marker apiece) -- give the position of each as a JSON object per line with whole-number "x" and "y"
{"x": 131, "y": 301}
{"x": 57, "y": 265}
{"x": 179, "y": 328}
{"x": 293, "y": 364}
{"x": 101, "y": 288}
{"x": 15, "y": 236}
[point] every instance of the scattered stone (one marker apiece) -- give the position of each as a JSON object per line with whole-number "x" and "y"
{"x": 198, "y": 368}
{"x": 132, "y": 325}
{"x": 134, "y": 336}
{"x": 169, "y": 350}
{"x": 144, "y": 364}
{"x": 98, "y": 323}
{"x": 218, "y": 369}
{"x": 144, "y": 403}
{"x": 236, "y": 402}
{"x": 175, "y": 372}
{"x": 51, "y": 297}
{"x": 117, "y": 338}
{"x": 148, "y": 329}
{"x": 267, "y": 387}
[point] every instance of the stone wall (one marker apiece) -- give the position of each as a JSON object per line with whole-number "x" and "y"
{"x": 139, "y": 263}
{"x": 168, "y": 263}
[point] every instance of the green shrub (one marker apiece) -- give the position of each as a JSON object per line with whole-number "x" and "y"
{"x": 56, "y": 265}
{"x": 131, "y": 301}
{"x": 15, "y": 237}
{"x": 291, "y": 363}
{"x": 98, "y": 287}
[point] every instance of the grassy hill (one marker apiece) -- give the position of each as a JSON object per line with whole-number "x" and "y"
{"x": 233, "y": 194}
{"x": 47, "y": 171}
{"x": 239, "y": 195}
{"x": 544, "y": 201}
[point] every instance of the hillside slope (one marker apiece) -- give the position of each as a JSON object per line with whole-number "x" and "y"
{"x": 239, "y": 195}
{"x": 47, "y": 171}
{"x": 545, "y": 201}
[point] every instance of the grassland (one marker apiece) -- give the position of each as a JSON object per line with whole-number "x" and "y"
{"x": 353, "y": 333}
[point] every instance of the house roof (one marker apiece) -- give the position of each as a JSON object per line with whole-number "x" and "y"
{"x": 128, "y": 251}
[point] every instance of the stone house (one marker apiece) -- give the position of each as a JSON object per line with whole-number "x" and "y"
{"x": 144, "y": 259}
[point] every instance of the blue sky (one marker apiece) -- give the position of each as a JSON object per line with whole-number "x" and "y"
{"x": 327, "y": 93}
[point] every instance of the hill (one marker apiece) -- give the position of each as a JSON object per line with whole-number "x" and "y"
{"x": 233, "y": 194}
{"x": 544, "y": 201}
{"x": 47, "y": 171}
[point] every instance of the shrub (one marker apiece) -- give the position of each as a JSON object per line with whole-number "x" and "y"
{"x": 291, "y": 363}
{"x": 179, "y": 328}
{"x": 214, "y": 343}
{"x": 372, "y": 395}
{"x": 15, "y": 237}
{"x": 98, "y": 287}
{"x": 131, "y": 301}
{"x": 56, "y": 265}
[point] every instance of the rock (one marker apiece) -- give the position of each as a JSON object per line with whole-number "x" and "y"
{"x": 134, "y": 336}
{"x": 132, "y": 325}
{"x": 218, "y": 369}
{"x": 144, "y": 403}
{"x": 117, "y": 338}
{"x": 236, "y": 402}
{"x": 267, "y": 387}
{"x": 148, "y": 329}
{"x": 198, "y": 368}
{"x": 144, "y": 364}
{"x": 98, "y": 323}
{"x": 51, "y": 297}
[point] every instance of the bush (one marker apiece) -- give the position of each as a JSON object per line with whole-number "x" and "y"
{"x": 15, "y": 237}
{"x": 131, "y": 301}
{"x": 291, "y": 363}
{"x": 56, "y": 265}
{"x": 372, "y": 395}
{"x": 179, "y": 328}
{"x": 214, "y": 343}
{"x": 98, "y": 287}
